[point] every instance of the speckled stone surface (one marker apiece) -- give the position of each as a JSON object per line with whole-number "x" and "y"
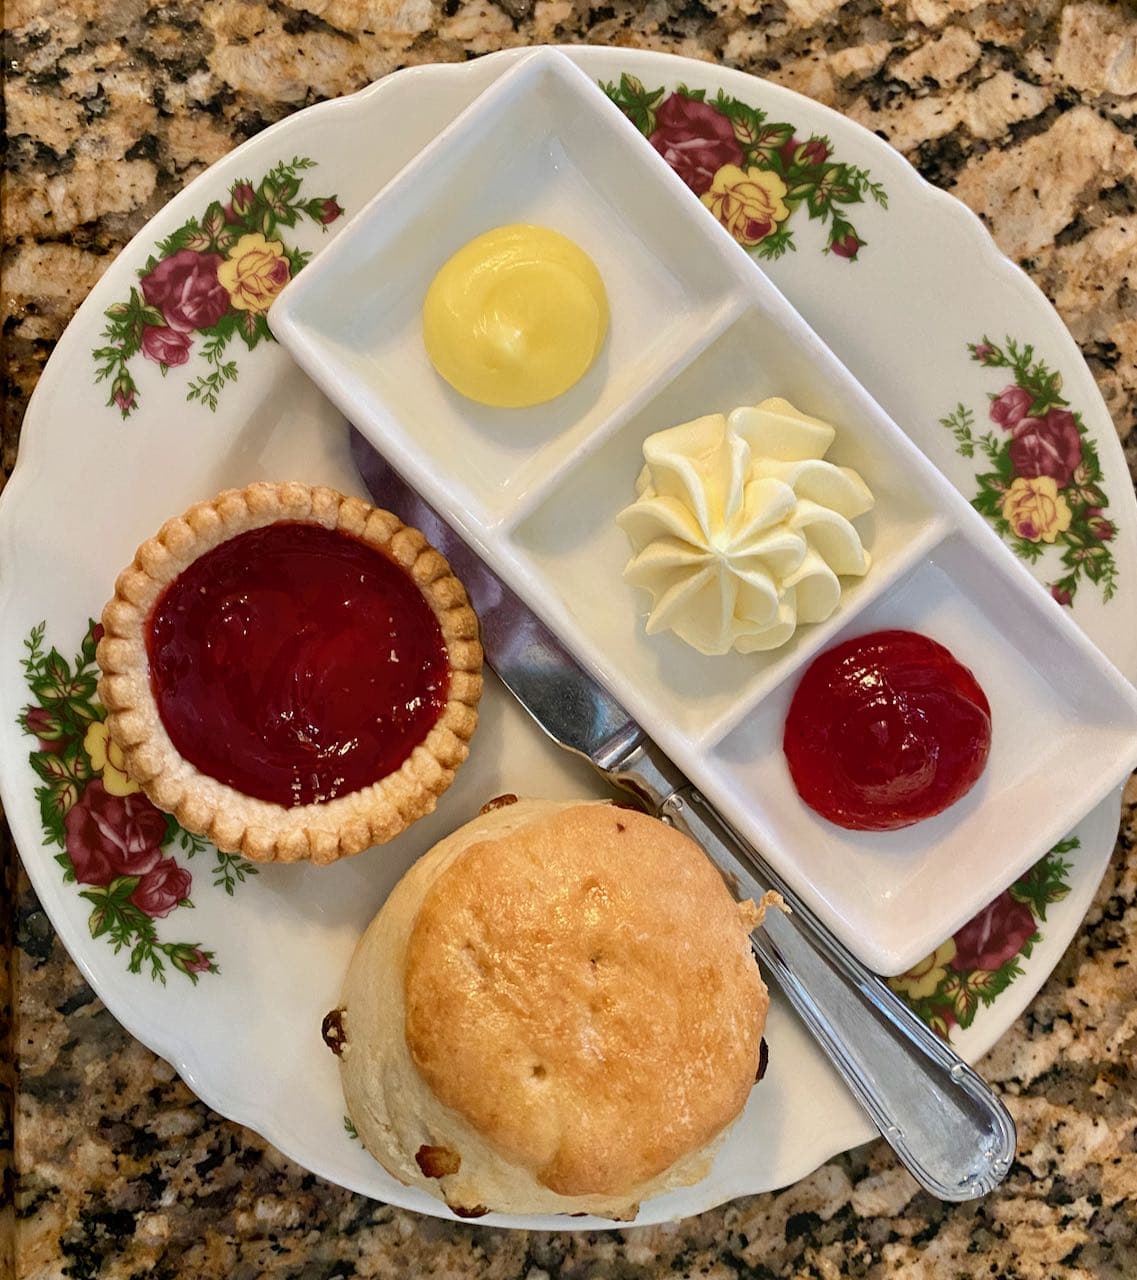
{"x": 1027, "y": 110}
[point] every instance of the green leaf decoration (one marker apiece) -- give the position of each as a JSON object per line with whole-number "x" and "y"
{"x": 64, "y": 705}
{"x": 1045, "y": 883}
{"x": 964, "y": 1000}
{"x": 216, "y": 229}
{"x": 776, "y": 244}
{"x": 959, "y": 994}
{"x": 812, "y": 177}
{"x": 252, "y": 329}
{"x": 1076, "y": 547}
{"x": 960, "y": 423}
{"x": 268, "y": 207}
{"x": 745, "y": 130}
{"x": 636, "y": 103}
{"x": 52, "y": 768}
{"x": 231, "y": 870}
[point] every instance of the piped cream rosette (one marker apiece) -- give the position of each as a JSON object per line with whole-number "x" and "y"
{"x": 742, "y": 530}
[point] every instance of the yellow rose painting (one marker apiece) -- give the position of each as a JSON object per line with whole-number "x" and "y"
{"x": 752, "y": 170}
{"x": 254, "y": 273}
{"x": 1035, "y": 509}
{"x": 749, "y": 203}
{"x": 107, "y": 759}
{"x": 1037, "y": 474}
{"x": 923, "y": 978}
{"x": 210, "y": 281}
{"x": 119, "y": 851}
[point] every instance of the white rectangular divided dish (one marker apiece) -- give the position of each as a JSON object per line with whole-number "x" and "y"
{"x": 546, "y": 161}
{"x": 696, "y": 328}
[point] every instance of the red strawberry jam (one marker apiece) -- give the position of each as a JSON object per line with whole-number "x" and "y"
{"x": 886, "y": 730}
{"x": 296, "y": 663}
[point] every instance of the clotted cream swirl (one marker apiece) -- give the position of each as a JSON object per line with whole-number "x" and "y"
{"x": 741, "y": 529}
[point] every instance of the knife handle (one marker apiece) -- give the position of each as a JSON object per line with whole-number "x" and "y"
{"x": 945, "y": 1124}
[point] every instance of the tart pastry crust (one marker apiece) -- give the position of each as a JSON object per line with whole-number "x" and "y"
{"x": 237, "y": 823}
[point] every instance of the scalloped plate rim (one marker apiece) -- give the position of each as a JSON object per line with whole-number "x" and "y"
{"x": 181, "y": 1052}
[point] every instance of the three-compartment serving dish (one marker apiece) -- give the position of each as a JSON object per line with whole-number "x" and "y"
{"x": 537, "y": 490}
{"x": 926, "y": 312}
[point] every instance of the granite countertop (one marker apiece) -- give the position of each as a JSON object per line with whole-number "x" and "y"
{"x": 1026, "y": 109}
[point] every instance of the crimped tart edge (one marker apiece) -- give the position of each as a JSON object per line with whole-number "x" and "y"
{"x": 236, "y": 823}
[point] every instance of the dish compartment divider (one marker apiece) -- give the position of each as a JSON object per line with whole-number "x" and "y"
{"x": 697, "y": 328}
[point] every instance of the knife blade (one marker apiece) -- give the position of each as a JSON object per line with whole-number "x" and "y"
{"x": 945, "y": 1124}
{"x": 527, "y": 658}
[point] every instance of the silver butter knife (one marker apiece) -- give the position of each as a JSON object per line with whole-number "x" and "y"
{"x": 948, "y": 1128}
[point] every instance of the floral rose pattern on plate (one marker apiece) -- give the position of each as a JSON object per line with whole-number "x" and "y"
{"x": 976, "y": 965}
{"x": 113, "y": 840}
{"x": 1043, "y": 489}
{"x": 212, "y": 281}
{"x": 752, "y": 173}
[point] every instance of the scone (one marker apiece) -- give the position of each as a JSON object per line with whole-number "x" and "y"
{"x": 557, "y": 1010}
{"x": 290, "y": 672}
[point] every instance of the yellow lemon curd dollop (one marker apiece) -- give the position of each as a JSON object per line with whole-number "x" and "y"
{"x": 515, "y": 317}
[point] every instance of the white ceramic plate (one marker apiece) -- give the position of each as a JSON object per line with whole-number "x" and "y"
{"x": 232, "y": 992}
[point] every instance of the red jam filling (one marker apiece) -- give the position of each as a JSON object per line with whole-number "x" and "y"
{"x": 886, "y": 730}
{"x": 296, "y": 663}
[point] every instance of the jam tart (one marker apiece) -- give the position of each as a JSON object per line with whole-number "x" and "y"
{"x": 290, "y": 672}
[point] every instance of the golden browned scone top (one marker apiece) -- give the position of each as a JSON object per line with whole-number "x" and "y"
{"x": 583, "y": 993}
